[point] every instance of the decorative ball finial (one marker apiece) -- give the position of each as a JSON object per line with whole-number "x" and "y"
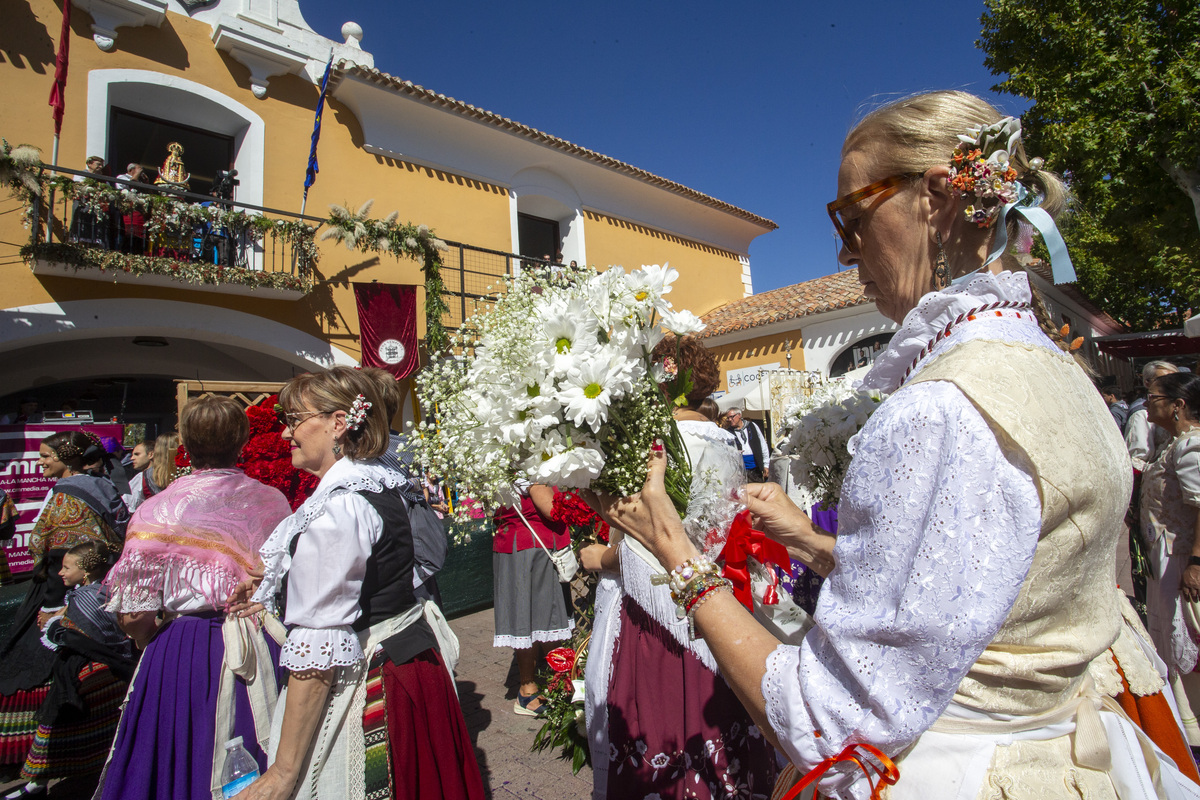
{"x": 352, "y": 32}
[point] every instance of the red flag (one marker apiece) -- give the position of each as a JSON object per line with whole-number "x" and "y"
{"x": 58, "y": 92}
{"x": 387, "y": 321}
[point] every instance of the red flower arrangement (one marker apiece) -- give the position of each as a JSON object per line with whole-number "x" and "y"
{"x": 570, "y": 509}
{"x": 267, "y": 457}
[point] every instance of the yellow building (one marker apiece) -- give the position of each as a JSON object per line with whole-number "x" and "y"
{"x": 828, "y": 326}
{"x": 237, "y": 82}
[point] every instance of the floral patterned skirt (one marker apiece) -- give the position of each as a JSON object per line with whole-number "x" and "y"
{"x": 676, "y": 730}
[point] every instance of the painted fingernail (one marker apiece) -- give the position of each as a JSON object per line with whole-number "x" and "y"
{"x": 657, "y": 447}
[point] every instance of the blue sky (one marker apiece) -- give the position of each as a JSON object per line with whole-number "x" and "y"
{"x": 748, "y": 104}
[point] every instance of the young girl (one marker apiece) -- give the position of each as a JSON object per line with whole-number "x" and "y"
{"x": 93, "y": 662}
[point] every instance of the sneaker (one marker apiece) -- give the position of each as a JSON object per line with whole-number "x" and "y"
{"x": 521, "y": 706}
{"x": 28, "y": 790}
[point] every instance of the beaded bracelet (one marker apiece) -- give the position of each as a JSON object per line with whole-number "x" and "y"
{"x": 719, "y": 586}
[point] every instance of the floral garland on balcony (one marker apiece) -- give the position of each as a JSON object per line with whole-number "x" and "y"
{"x": 82, "y": 256}
{"x": 359, "y": 232}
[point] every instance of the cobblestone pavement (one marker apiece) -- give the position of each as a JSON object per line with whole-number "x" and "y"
{"x": 487, "y": 687}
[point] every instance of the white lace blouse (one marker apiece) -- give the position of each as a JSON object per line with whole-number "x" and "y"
{"x": 937, "y": 530}
{"x": 326, "y": 573}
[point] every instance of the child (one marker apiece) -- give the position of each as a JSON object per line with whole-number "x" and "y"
{"x": 93, "y": 665}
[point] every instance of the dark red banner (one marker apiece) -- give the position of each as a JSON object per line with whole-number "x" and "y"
{"x": 387, "y": 321}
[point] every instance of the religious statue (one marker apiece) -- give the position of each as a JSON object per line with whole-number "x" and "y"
{"x": 173, "y": 173}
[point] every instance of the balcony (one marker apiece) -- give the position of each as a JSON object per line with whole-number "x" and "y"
{"x": 93, "y": 227}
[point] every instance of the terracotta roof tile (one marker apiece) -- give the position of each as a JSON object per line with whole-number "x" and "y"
{"x": 840, "y": 290}
{"x": 433, "y": 98}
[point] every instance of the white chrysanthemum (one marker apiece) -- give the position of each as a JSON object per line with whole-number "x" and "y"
{"x": 573, "y": 468}
{"x": 587, "y": 393}
{"x": 650, "y": 283}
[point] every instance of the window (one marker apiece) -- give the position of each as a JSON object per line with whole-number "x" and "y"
{"x": 860, "y": 354}
{"x": 538, "y": 237}
{"x": 139, "y": 138}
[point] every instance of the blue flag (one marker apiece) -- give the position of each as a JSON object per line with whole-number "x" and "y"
{"x": 310, "y": 175}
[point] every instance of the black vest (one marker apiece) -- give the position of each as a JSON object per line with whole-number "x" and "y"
{"x": 387, "y": 588}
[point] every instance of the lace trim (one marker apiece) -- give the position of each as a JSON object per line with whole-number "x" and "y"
{"x": 320, "y": 648}
{"x": 1130, "y": 654}
{"x": 526, "y": 642}
{"x": 344, "y": 477}
{"x": 933, "y": 313}
{"x": 656, "y": 601}
{"x": 783, "y": 667}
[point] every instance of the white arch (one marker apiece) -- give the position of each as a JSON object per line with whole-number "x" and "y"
{"x": 44, "y": 323}
{"x": 543, "y": 193}
{"x": 171, "y": 97}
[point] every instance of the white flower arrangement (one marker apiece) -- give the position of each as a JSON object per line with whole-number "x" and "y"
{"x": 821, "y": 426}
{"x": 560, "y": 389}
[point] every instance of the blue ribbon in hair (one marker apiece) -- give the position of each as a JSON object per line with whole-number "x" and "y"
{"x": 1026, "y": 204}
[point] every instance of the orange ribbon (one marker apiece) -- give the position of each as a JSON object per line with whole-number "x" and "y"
{"x": 743, "y": 541}
{"x": 887, "y": 772}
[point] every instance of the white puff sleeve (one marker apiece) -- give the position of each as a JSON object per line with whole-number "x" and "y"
{"x": 1187, "y": 468}
{"x": 936, "y": 532}
{"x": 325, "y": 584}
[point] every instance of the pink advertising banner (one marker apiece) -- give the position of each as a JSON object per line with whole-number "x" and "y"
{"x": 22, "y": 479}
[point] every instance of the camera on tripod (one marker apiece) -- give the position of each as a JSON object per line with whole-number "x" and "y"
{"x": 224, "y": 184}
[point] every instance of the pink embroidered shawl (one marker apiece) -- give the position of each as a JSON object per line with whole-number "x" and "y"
{"x": 200, "y": 535}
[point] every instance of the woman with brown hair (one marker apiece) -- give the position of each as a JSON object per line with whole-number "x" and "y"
{"x": 367, "y": 662}
{"x": 189, "y": 547}
{"x": 661, "y": 719}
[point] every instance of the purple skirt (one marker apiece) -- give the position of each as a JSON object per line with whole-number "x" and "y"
{"x": 164, "y": 744}
{"x": 677, "y": 731}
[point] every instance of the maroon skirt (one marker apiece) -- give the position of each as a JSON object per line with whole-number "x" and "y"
{"x": 674, "y": 727}
{"x": 428, "y": 747}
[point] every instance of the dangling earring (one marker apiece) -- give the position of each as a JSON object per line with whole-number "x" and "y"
{"x": 337, "y": 448}
{"x": 941, "y": 270}
{"x": 1177, "y": 415}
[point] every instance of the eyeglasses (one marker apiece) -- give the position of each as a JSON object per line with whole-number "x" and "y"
{"x": 1159, "y": 396}
{"x": 293, "y": 420}
{"x": 879, "y": 187}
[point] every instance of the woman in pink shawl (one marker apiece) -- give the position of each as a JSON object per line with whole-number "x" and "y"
{"x": 204, "y": 677}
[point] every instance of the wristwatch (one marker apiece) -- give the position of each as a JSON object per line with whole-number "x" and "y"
{"x": 1194, "y": 561}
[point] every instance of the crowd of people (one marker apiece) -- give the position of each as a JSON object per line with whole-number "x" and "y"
{"x": 969, "y": 639}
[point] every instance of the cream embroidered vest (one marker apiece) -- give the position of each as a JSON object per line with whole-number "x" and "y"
{"x": 1050, "y": 420}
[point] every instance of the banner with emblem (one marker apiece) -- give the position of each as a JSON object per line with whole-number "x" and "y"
{"x": 387, "y": 321}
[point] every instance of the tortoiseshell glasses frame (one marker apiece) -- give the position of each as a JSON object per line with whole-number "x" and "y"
{"x": 878, "y": 187}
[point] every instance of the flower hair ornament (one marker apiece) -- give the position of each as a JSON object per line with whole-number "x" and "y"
{"x": 357, "y": 414}
{"x": 981, "y": 171}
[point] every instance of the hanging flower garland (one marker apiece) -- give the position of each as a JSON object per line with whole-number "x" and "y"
{"x": 359, "y": 232}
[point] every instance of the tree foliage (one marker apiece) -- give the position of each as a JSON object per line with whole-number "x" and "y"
{"x": 1115, "y": 86}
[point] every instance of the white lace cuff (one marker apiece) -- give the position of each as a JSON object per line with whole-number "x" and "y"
{"x": 320, "y": 648}
{"x": 789, "y": 718}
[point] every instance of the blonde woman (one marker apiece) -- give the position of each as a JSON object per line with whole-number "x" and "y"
{"x": 339, "y": 572}
{"x": 158, "y": 475}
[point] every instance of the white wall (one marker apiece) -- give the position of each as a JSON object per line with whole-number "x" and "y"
{"x": 825, "y": 336}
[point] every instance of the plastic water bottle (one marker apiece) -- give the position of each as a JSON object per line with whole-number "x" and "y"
{"x": 241, "y": 769}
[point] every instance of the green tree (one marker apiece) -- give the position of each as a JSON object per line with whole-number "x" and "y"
{"x": 1115, "y": 86}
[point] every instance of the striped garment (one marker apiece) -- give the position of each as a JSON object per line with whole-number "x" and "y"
{"x": 18, "y": 723}
{"x": 378, "y": 767}
{"x": 79, "y": 747}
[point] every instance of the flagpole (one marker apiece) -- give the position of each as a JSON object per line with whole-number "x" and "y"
{"x": 310, "y": 173}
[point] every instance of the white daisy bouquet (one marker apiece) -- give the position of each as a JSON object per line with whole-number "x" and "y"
{"x": 822, "y": 424}
{"x": 554, "y": 384}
